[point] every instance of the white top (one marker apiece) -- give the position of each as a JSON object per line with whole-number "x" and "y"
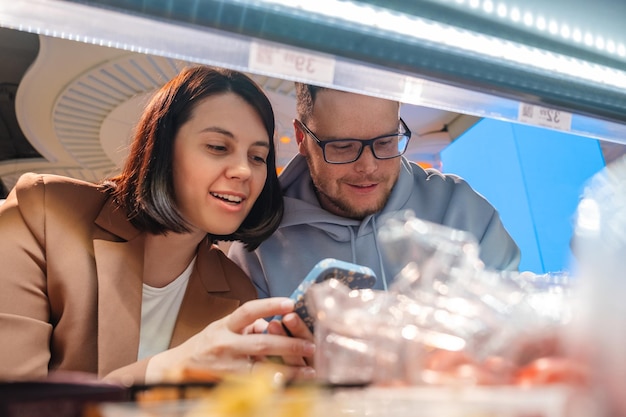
{"x": 159, "y": 309}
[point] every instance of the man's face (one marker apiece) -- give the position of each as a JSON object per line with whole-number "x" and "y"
{"x": 360, "y": 188}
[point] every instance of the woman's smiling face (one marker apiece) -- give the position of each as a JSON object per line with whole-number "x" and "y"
{"x": 219, "y": 164}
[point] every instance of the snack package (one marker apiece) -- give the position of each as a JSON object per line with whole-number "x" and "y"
{"x": 445, "y": 319}
{"x": 435, "y": 255}
{"x": 346, "y": 325}
{"x": 599, "y": 246}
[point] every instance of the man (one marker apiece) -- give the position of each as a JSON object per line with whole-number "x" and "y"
{"x": 336, "y": 192}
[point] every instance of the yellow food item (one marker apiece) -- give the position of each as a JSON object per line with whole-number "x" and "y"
{"x": 260, "y": 394}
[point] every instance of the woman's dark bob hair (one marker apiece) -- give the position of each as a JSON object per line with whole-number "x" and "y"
{"x": 145, "y": 186}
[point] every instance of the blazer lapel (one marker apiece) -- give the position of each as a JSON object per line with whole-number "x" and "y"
{"x": 203, "y": 302}
{"x": 119, "y": 266}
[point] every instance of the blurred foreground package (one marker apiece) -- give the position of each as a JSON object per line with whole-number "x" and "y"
{"x": 445, "y": 320}
{"x": 600, "y": 247}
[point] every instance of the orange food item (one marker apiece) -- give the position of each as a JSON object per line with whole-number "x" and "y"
{"x": 553, "y": 370}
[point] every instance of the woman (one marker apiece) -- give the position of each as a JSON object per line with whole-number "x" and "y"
{"x": 122, "y": 279}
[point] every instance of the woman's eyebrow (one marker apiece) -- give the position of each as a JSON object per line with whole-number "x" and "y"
{"x": 263, "y": 143}
{"x": 217, "y": 129}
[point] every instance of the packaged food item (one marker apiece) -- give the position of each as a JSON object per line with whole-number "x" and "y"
{"x": 599, "y": 246}
{"x": 445, "y": 319}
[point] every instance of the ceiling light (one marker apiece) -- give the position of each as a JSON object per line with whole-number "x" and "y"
{"x": 600, "y": 43}
{"x": 553, "y": 27}
{"x": 610, "y": 46}
{"x": 577, "y": 35}
{"x": 515, "y": 14}
{"x": 541, "y": 23}
{"x": 528, "y": 19}
{"x": 488, "y": 6}
{"x": 502, "y": 10}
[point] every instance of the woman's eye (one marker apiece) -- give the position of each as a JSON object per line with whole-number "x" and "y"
{"x": 259, "y": 159}
{"x": 216, "y": 148}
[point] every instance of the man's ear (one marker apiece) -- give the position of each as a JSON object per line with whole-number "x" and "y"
{"x": 299, "y": 137}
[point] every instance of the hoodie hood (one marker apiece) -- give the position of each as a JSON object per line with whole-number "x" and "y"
{"x": 303, "y": 207}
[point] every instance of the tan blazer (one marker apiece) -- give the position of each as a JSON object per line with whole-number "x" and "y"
{"x": 71, "y": 270}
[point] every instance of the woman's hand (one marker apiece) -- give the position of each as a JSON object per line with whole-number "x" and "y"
{"x": 235, "y": 342}
{"x": 297, "y": 328}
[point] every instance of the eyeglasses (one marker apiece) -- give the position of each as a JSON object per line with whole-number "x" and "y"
{"x": 345, "y": 151}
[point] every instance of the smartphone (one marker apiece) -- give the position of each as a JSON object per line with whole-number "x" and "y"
{"x": 352, "y": 275}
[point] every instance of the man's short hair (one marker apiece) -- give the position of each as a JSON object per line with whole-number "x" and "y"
{"x": 305, "y": 99}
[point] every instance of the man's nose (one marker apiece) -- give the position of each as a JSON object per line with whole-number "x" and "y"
{"x": 367, "y": 162}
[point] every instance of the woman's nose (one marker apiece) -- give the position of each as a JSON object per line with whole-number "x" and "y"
{"x": 239, "y": 168}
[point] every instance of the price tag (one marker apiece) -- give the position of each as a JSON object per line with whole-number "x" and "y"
{"x": 291, "y": 62}
{"x": 543, "y": 116}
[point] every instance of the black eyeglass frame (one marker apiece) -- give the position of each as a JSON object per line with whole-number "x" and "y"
{"x": 364, "y": 143}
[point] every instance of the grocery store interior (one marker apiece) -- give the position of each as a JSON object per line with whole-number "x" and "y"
{"x": 526, "y": 100}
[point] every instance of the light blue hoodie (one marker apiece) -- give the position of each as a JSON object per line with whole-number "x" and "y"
{"x": 308, "y": 233}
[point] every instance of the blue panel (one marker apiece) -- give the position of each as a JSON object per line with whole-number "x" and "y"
{"x": 555, "y": 167}
{"x": 486, "y": 156}
{"x": 533, "y": 177}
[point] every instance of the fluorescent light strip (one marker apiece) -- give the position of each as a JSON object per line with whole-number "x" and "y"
{"x": 421, "y": 29}
{"x": 554, "y": 28}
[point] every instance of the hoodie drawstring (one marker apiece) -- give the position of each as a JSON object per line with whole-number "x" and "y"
{"x": 380, "y": 258}
{"x": 352, "y": 244}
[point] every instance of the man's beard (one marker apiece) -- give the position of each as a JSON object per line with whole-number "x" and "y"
{"x": 343, "y": 207}
{"x": 347, "y": 209}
